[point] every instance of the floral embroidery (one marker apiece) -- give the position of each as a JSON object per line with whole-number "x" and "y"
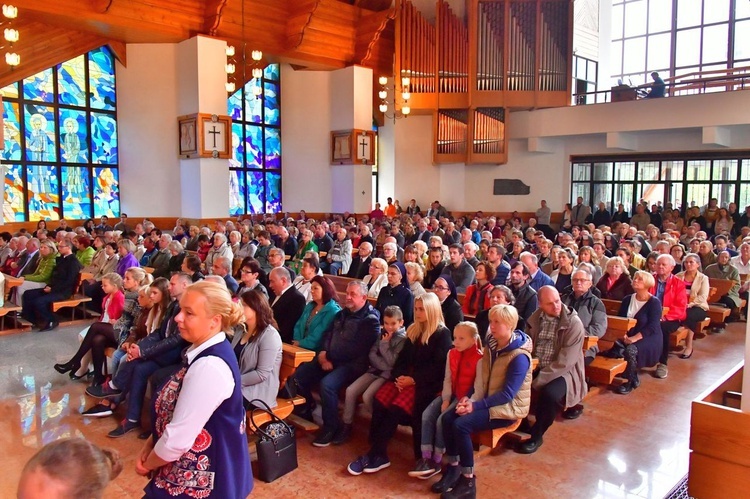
{"x": 202, "y": 441}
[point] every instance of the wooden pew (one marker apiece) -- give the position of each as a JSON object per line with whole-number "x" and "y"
{"x": 719, "y": 313}
{"x": 682, "y": 333}
{"x": 73, "y": 302}
{"x": 10, "y": 308}
{"x": 603, "y": 370}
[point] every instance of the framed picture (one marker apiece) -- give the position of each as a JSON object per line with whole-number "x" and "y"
{"x": 205, "y": 136}
{"x": 352, "y": 147}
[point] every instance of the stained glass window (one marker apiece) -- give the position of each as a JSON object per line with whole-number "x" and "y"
{"x": 61, "y": 150}
{"x": 255, "y": 166}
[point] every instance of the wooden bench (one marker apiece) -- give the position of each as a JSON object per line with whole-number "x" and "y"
{"x": 73, "y": 302}
{"x": 682, "y": 333}
{"x": 718, "y": 313}
{"x": 10, "y": 308}
{"x": 603, "y": 370}
{"x": 486, "y": 441}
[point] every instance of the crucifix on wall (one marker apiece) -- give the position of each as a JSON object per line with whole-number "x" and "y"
{"x": 204, "y": 135}
{"x": 353, "y": 147}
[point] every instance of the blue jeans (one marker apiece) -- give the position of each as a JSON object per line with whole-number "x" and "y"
{"x": 432, "y": 425}
{"x": 334, "y": 267}
{"x": 331, "y": 382}
{"x": 457, "y": 432}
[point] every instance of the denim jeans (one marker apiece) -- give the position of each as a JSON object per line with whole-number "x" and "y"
{"x": 432, "y": 425}
{"x": 458, "y": 429}
{"x": 331, "y": 382}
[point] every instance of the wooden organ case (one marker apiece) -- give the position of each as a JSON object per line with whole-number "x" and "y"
{"x": 504, "y": 55}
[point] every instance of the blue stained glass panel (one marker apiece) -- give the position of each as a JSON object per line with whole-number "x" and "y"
{"x": 271, "y": 72}
{"x": 273, "y": 148}
{"x": 76, "y": 192}
{"x": 13, "y": 204}
{"x": 234, "y": 105}
{"x": 255, "y": 189}
{"x": 271, "y": 103}
{"x": 236, "y": 193}
{"x": 102, "y": 79}
{"x": 254, "y": 143}
{"x": 106, "y": 192}
{"x": 40, "y": 133}
{"x": 73, "y": 136}
{"x": 42, "y": 192}
{"x": 103, "y": 139}
{"x": 253, "y": 104}
{"x": 39, "y": 87}
{"x": 11, "y": 91}
{"x": 11, "y": 131}
{"x": 238, "y": 147}
{"x": 71, "y": 82}
{"x": 273, "y": 192}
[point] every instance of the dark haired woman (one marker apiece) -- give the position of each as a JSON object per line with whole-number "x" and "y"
{"x": 317, "y": 315}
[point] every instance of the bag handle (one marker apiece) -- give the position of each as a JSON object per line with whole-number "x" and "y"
{"x": 265, "y": 408}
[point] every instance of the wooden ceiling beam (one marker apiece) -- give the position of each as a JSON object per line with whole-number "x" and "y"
{"x": 213, "y": 16}
{"x": 369, "y": 31}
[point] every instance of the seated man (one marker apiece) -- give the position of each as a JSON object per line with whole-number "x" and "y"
{"x": 459, "y": 269}
{"x": 37, "y": 303}
{"x": 159, "y": 260}
{"x": 495, "y": 254}
{"x": 343, "y": 358}
{"x": 287, "y": 304}
{"x": 361, "y": 263}
{"x": 593, "y": 316}
{"x": 526, "y": 297}
{"x": 723, "y": 270}
{"x": 222, "y": 267}
{"x": 538, "y": 278}
{"x": 671, "y": 292}
{"x": 559, "y": 380}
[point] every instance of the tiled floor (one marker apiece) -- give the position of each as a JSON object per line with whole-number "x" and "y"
{"x": 623, "y": 446}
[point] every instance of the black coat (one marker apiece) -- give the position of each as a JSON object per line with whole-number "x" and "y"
{"x": 452, "y": 313}
{"x": 426, "y": 364}
{"x": 350, "y": 337}
{"x": 619, "y": 290}
{"x": 287, "y": 310}
{"x": 357, "y": 271}
{"x": 65, "y": 275}
{"x": 400, "y": 296}
{"x": 526, "y": 303}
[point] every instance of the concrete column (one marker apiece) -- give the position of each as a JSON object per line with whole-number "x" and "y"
{"x": 201, "y": 80}
{"x": 351, "y": 107}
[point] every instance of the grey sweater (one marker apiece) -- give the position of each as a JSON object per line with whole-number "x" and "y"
{"x": 383, "y": 354}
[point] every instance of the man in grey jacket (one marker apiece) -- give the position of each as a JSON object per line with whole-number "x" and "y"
{"x": 459, "y": 269}
{"x": 559, "y": 380}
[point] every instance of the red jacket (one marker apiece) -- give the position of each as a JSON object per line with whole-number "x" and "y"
{"x": 114, "y": 305}
{"x": 675, "y": 298}
{"x": 476, "y": 299}
{"x": 463, "y": 370}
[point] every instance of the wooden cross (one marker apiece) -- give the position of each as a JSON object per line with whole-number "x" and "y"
{"x": 214, "y": 132}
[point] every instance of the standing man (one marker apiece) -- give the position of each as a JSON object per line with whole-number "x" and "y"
{"x": 343, "y": 358}
{"x": 559, "y": 380}
{"x": 543, "y": 215}
{"x": 580, "y": 212}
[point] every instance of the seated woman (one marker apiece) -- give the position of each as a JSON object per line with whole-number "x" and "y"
{"x": 412, "y": 255}
{"x": 417, "y": 379}
{"x": 643, "y": 343}
{"x": 500, "y": 295}
{"x": 250, "y": 273}
{"x": 317, "y": 315}
{"x": 201, "y": 403}
{"x": 305, "y": 245}
{"x": 586, "y": 254}
{"x": 38, "y": 279}
{"x": 101, "y": 332}
{"x": 561, "y": 275}
{"x": 615, "y": 283}
{"x": 377, "y": 278}
{"x": 235, "y": 239}
{"x": 397, "y": 293}
{"x": 258, "y": 350}
{"x": 191, "y": 265}
{"x": 502, "y": 395}
{"x": 415, "y": 275}
{"x": 84, "y": 251}
{"x": 177, "y": 256}
{"x": 697, "y": 286}
{"x": 678, "y": 253}
{"x": 651, "y": 262}
{"x": 478, "y": 294}
{"x": 247, "y": 247}
{"x": 446, "y": 292}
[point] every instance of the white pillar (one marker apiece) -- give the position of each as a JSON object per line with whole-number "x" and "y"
{"x": 201, "y": 79}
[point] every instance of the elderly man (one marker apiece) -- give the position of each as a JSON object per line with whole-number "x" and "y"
{"x": 559, "y": 381}
{"x": 459, "y": 269}
{"x": 470, "y": 253}
{"x": 222, "y": 267}
{"x": 526, "y": 297}
{"x": 361, "y": 263}
{"x": 287, "y": 304}
{"x": 641, "y": 219}
{"x": 671, "y": 292}
{"x": 421, "y": 234}
{"x": 538, "y": 278}
{"x": 342, "y": 359}
{"x": 37, "y": 302}
{"x": 219, "y": 249}
{"x": 723, "y": 270}
{"x": 160, "y": 259}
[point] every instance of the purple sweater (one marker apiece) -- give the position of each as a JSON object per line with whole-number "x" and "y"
{"x": 125, "y": 263}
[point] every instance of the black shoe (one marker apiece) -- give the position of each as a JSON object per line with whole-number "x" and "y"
{"x": 102, "y": 391}
{"x": 144, "y": 435}
{"x": 324, "y": 438}
{"x": 525, "y": 426}
{"x": 530, "y": 446}
{"x": 67, "y": 367}
{"x": 448, "y": 480}
{"x": 49, "y": 326}
{"x": 465, "y": 488}
{"x": 98, "y": 411}
{"x": 625, "y": 388}
{"x": 342, "y": 434}
{"x": 125, "y": 427}
{"x": 425, "y": 469}
{"x": 304, "y": 411}
{"x": 574, "y": 412}
{"x": 683, "y": 356}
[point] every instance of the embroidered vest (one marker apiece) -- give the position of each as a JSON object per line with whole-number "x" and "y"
{"x": 218, "y": 464}
{"x": 463, "y": 370}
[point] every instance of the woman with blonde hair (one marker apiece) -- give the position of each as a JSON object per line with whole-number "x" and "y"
{"x": 615, "y": 283}
{"x": 377, "y": 278}
{"x": 415, "y": 276}
{"x": 417, "y": 377}
{"x": 199, "y": 418}
{"x": 697, "y": 285}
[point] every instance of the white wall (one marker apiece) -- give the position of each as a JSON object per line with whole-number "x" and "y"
{"x": 147, "y": 122}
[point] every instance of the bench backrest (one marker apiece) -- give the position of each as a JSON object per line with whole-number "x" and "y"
{"x": 722, "y": 286}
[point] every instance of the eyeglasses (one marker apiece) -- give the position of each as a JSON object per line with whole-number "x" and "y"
{"x": 579, "y": 280}
{"x": 441, "y": 288}
{"x": 245, "y": 271}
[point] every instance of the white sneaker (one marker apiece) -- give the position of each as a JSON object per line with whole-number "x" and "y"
{"x": 661, "y": 371}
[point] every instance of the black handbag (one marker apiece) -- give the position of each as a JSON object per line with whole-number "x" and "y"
{"x": 277, "y": 446}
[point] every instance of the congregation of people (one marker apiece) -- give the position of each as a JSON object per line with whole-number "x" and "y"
{"x": 449, "y": 325}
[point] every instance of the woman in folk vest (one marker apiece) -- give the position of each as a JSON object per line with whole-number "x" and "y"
{"x": 502, "y": 394}
{"x": 198, "y": 446}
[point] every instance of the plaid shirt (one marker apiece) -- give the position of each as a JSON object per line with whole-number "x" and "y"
{"x": 545, "y": 342}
